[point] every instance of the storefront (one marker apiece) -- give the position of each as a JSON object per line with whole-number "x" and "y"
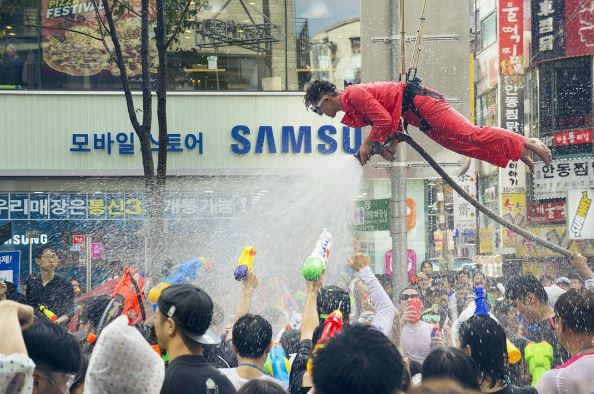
{"x": 244, "y": 168}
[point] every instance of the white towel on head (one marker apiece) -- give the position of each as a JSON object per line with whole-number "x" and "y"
{"x": 123, "y": 363}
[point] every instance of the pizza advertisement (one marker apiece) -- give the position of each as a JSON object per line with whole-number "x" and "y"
{"x": 72, "y": 43}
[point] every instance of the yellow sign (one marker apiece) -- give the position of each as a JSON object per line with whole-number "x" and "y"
{"x": 513, "y": 209}
{"x": 556, "y": 235}
{"x": 486, "y": 242}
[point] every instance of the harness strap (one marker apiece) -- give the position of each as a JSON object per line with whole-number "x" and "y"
{"x": 412, "y": 90}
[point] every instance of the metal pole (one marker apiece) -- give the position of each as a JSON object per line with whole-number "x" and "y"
{"x": 88, "y": 251}
{"x": 402, "y": 41}
{"x": 398, "y": 224}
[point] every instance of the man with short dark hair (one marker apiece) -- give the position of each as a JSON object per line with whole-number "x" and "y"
{"x": 251, "y": 341}
{"x": 359, "y": 360}
{"x": 574, "y": 326}
{"x": 182, "y": 326}
{"x": 529, "y": 298}
{"x": 48, "y": 290}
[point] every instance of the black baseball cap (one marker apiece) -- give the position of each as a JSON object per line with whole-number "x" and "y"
{"x": 191, "y": 308}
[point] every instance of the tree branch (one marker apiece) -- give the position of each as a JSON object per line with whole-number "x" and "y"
{"x": 65, "y": 29}
{"x": 178, "y": 25}
{"x": 128, "y": 7}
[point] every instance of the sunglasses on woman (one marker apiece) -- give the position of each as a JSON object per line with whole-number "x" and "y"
{"x": 406, "y": 297}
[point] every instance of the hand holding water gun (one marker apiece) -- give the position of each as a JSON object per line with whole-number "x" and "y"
{"x": 539, "y": 357}
{"x": 186, "y": 272}
{"x": 277, "y": 364}
{"x": 332, "y": 327}
{"x": 315, "y": 265}
{"x": 245, "y": 263}
{"x": 49, "y": 314}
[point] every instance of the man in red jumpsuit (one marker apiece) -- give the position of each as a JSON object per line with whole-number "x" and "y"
{"x": 385, "y": 105}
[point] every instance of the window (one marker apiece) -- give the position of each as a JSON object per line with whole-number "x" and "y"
{"x": 489, "y": 30}
{"x": 487, "y": 109}
{"x": 235, "y": 45}
{"x": 565, "y": 97}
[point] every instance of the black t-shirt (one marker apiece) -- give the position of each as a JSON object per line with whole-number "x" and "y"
{"x": 57, "y": 295}
{"x": 194, "y": 375}
{"x": 545, "y": 332}
{"x": 299, "y": 367}
{"x": 221, "y": 355}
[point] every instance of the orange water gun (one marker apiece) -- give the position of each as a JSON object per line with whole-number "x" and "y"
{"x": 332, "y": 327}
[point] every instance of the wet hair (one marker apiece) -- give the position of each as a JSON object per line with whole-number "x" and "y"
{"x": 575, "y": 275}
{"x": 39, "y": 250}
{"x": 486, "y": 339}
{"x": 454, "y": 364}
{"x": 52, "y": 348}
{"x": 252, "y": 335}
{"x": 94, "y": 309}
{"x": 290, "y": 341}
{"x": 318, "y": 88}
{"x": 408, "y": 288}
{"x": 259, "y": 386}
{"x": 427, "y": 262}
{"x": 546, "y": 277}
{"x": 359, "y": 360}
{"x": 576, "y": 308}
{"x": 331, "y": 298}
{"x": 518, "y": 287}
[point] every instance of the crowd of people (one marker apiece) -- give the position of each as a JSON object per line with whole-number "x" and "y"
{"x": 462, "y": 332}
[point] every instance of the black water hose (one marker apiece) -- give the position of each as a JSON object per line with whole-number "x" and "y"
{"x": 513, "y": 227}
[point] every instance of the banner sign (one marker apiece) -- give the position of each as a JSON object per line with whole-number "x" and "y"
{"x": 464, "y": 213}
{"x": 121, "y": 206}
{"x": 372, "y": 215}
{"x": 573, "y": 137}
{"x": 557, "y": 234}
{"x": 68, "y": 46}
{"x": 512, "y": 104}
{"x": 511, "y": 36}
{"x": 10, "y": 266}
{"x": 580, "y": 214}
{"x": 513, "y": 209}
{"x": 548, "y": 23}
{"x": 555, "y": 179}
{"x": 547, "y": 212}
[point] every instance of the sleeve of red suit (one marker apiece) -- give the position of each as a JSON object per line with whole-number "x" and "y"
{"x": 381, "y": 120}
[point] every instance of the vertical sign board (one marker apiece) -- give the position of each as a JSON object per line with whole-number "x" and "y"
{"x": 580, "y": 214}
{"x": 464, "y": 213}
{"x": 548, "y": 25}
{"x": 10, "y": 266}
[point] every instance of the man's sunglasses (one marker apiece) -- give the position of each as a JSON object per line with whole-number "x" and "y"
{"x": 316, "y": 108}
{"x": 406, "y": 297}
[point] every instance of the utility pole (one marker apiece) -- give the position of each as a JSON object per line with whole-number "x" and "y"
{"x": 398, "y": 184}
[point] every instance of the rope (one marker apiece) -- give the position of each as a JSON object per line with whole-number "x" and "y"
{"x": 513, "y": 227}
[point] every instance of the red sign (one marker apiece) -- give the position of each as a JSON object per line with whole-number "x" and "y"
{"x": 78, "y": 239}
{"x": 574, "y": 137}
{"x": 511, "y": 36}
{"x": 579, "y": 27}
{"x": 548, "y": 212}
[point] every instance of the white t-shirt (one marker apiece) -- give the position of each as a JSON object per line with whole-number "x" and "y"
{"x": 238, "y": 381}
{"x": 416, "y": 340}
{"x": 573, "y": 377}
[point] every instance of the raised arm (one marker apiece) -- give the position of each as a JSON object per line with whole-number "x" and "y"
{"x": 247, "y": 292}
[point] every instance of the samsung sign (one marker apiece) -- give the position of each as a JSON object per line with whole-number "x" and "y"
{"x": 295, "y": 140}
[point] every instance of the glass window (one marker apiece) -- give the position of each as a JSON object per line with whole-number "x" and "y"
{"x": 489, "y": 30}
{"x": 242, "y": 45}
{"x": 487, "y": 109}
{"x": 565, "y": 96}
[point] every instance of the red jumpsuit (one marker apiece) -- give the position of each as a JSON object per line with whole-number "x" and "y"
{"x": 380, "y": 106}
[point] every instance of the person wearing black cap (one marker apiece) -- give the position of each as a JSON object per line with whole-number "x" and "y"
{"x": 182, "y": 326}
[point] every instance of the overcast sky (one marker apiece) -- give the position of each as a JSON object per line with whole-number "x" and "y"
{"x": 324, "y": 13}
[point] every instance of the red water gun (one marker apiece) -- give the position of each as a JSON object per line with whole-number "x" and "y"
{"x": 332, "y": 327}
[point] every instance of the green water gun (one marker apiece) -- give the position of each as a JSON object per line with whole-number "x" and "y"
{"x": 539, "y": 358}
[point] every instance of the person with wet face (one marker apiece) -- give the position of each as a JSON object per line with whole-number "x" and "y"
{"x": 574, "y": 326}
{"x": 182, "y": 326}
{"x": 484, "y": 340}
{"x": 528, "y": 296}
{"x": 49, "y": 290}
{"x": 415, "y": 335}
{"x": 383, "y": 104}
{"x": 575, "y": 281}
